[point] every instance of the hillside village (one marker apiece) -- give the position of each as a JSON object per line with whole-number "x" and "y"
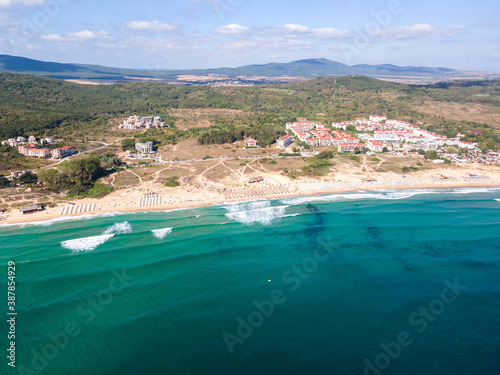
{"x": 374, "y": 134}
{"x": 32, "y": 148}
{"x": 305, "y": 149}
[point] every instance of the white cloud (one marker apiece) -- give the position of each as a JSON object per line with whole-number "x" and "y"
{"x": 331, "y": 33}
{"x": 54, "y": 37}
{"x": 320, "y": 33}
{"x": 231, "y": 29}
{"x": 87, "y": 34}
{"x": 298, "y": 29}
{"x": 11, "y": 3}
{"x": 150, "y": 26}
{"x": 78, "y": 36}
{"x": 420, "y": 30}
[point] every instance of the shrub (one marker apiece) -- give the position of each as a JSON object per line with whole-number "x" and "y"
{"x": 98, "y": 190}
{"x": 406, "y": 170}
{"x": 324, "y": 155}
{"x": 354, "y": 157}
{"x": 431, "y": 155}
{"x": 374, "y": 159}
{"x": 172, "y": 182}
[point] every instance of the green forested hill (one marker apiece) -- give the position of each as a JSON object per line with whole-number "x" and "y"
{"x": 45, "y": 106}
{"x": 302, "y": 68}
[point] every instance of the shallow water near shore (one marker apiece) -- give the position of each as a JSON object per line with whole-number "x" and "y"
{"x": 306, "y": 285}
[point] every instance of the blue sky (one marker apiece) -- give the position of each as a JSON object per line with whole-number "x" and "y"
{"x": 153, "y": 34}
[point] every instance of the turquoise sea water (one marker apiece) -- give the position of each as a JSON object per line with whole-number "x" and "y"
{"x": 383, "y": 282}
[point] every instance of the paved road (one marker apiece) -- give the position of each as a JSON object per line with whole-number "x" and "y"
{"x": 104, "y": 145}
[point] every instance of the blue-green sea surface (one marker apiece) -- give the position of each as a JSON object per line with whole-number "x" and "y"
{"x": 384, "y": 282}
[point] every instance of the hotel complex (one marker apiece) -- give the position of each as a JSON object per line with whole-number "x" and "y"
{"x": 148, "y": 122}
{"x": 386, "y": 133}
{"x": 396, "y": 131}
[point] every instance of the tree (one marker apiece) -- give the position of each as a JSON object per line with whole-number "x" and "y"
{"x": 4, "y": 182}
{"x": 82, "y": 171}
{"x": 128, "y": 144}
{"x": 431, "y": 155}
{"x": 385, "y": 149}
{"x": 51, "y": 177}
{"x": 28, "y": 178}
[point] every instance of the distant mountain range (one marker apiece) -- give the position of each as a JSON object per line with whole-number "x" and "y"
{"x": 310, "y": 68}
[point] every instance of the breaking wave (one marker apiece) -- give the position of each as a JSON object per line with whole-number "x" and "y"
{"x": 119, "y": 228}
{"x": 255, "y": 212}
{"x": 349, "y": 197}
{"x": 91, "y": 243}
{"x": 48, "y": 223}
{"x": 86, "y": 244}
{"x": 161, "y": 233}
{"x": 381, "y": 194}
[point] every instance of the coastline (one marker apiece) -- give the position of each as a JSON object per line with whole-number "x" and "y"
{"x": 52, "y": 215}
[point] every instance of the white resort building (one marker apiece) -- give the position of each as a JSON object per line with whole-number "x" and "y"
{"x": 283, "y": 142}
{"x": 147, "y": 122}
{"x": 145, "y": 147}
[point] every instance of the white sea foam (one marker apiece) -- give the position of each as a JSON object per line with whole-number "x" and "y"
{"x": 86, "y": 244}
{"x": 472, "y": 190}
{"x": 161, "y": 233}
{"x": 381, "y": 194}
{"x": 349, "y": 197}
{"x": 91, "y": 243}
{"x": 47, "y": 223}
{"x": 255, "y": 212}
{"x": 119, "y": 228}
{"x": 498, "y": 200}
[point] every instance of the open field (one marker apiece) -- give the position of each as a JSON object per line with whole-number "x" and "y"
{"x": 478, "y": 113}
{"x": 202, "y": 117}
{"x": 192, "y": 150}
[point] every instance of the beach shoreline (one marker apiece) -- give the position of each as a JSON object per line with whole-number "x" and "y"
{"x": 51, "y": 214}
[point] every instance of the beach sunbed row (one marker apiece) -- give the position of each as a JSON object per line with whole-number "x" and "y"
{"x": 403, "y": 182}
{"x": 326, "y": 186}
{"x": 150, "y": 201}
{"x": 258, "y": 192}
{"x": 77, "y": 209}
{"x": 481, "y": 180}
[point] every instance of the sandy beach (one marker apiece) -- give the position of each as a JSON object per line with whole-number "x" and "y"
{"x": 150, "y": 196}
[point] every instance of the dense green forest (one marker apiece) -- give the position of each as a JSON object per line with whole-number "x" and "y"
{"x": 38, "y": 106}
